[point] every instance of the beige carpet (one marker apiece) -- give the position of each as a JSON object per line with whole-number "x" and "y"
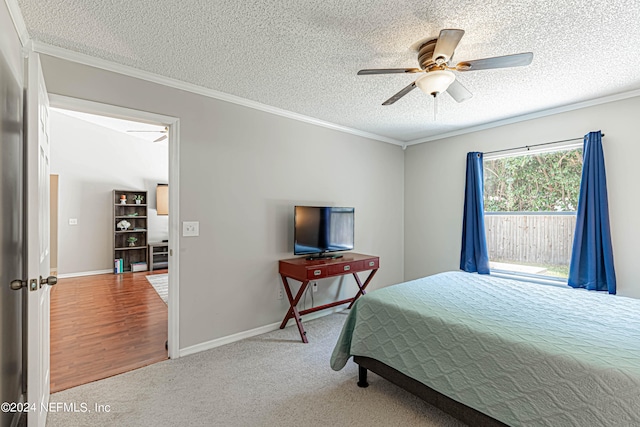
{"x": 269, "y": 380}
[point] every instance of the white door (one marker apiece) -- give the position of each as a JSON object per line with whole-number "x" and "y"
{"x": 37, "y": 118}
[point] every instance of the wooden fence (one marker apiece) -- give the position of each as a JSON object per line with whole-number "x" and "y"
{"x": 530, "y": 238}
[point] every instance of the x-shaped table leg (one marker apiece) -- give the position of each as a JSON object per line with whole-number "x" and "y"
{"x": 293, "y": 311}
{"x": 361, "y": 286}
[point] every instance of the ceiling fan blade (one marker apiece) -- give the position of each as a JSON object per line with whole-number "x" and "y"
{"x": 389, "y": 71}
{"x": 162, "y": 138}
{"x": 447, "y": 42}
{"x": 515, "y": 60}
{"x": 400, "y": 94}
{"x": 458, "y": 92}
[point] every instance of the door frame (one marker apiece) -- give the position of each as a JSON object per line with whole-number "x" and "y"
{"x": 173, "y": 123}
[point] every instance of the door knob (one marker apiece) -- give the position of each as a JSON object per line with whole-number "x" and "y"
{"x": 18, "y": 284}
{"x": 51, "y": 280}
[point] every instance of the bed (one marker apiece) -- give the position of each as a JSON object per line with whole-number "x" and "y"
{"x": 495, "y": 351}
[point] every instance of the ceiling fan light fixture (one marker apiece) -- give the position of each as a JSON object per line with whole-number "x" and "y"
{"x": 435, "y": 82}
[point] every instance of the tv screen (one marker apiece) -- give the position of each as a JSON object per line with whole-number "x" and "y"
{"x": 320, "y": 229}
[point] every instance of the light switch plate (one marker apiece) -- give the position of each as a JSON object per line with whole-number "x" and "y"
{"x": 190, "y": 228}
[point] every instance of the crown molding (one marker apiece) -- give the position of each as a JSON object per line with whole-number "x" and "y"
{"x": 18, "y": 21}
{"x": 126, "y": 70}
{"x": 530, "y": 116}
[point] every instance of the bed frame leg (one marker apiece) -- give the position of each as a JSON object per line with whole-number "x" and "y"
{"x": 362, "y": 377}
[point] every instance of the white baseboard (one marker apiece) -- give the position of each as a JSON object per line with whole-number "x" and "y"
{"x": 208, "y": 345}
{"x": 84, "y": 273}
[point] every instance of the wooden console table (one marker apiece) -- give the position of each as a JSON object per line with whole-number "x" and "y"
{"x": 305, "y": 271}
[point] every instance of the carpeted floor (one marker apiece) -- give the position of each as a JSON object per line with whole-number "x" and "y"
{"x": 269, "y": 380}
{"x": 160, "y": 283}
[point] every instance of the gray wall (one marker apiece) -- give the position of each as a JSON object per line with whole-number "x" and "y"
{"x": 91, "y": 162}
{"x": 435, "y": 173}
{"x": 241, "y": 172}
{"x": 11, "y": 223}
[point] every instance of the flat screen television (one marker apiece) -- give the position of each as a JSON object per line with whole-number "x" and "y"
{"x": 320, "y": 230}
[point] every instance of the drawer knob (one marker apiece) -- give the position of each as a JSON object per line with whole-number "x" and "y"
{"x": 317, "y": 272}
{"x": 372, "y": 263}
{"x": 347, "y": 267}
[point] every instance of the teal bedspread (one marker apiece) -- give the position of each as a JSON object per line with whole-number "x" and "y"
{"x": 523, "y": 353}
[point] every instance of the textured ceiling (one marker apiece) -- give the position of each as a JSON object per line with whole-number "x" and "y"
{"x": 302, "y": 56}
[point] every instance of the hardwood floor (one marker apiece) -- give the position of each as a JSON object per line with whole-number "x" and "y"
{"x": 104, "y": 325}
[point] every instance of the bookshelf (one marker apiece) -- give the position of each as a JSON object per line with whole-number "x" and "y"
{"x": 129, "y": 240}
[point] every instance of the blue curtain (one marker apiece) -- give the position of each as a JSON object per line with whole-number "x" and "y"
{"x": 592, "y": 256}
{"x": 474, "y": 256}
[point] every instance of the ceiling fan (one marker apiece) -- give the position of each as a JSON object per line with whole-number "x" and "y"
{"x": 164, "y": 131}
{"x": 434, "y": 58}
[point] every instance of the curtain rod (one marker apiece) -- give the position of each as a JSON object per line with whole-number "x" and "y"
{"x": 535, "y": 145}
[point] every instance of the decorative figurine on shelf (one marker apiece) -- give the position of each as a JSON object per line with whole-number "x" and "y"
{"x": 138, "y": 198}
{"x": 123, "y": 199}
{"x": 124, "y": 224}
{"x": 132, "y": 240}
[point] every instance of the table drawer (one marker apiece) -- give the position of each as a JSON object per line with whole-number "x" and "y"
{"x": 346, "y": 268}
{"x": 317, "y": 272}
{"x": 371, "y": 264}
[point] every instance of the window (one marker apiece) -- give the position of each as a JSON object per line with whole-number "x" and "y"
{"x": 530, "y": 204}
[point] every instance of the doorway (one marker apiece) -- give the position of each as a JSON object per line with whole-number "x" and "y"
{"x": 83, "y": 263}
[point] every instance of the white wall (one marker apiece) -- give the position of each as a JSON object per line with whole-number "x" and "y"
{"x": 241, "y": 172}
{"x": 10, "y": 47}
{"x": 91, "y": 162}
{"x": 435, "y": 174}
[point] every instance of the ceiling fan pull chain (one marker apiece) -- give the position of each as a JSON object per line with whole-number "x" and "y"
{"x": 435, "y": 106}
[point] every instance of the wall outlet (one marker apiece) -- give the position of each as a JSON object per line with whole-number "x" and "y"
{"x": 315, "y": 287}
{"x": 73, "y": 221}
{"x": 280, "y": 294}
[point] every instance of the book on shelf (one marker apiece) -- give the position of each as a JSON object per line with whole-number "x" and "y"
{"x": 118, "y": 266}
